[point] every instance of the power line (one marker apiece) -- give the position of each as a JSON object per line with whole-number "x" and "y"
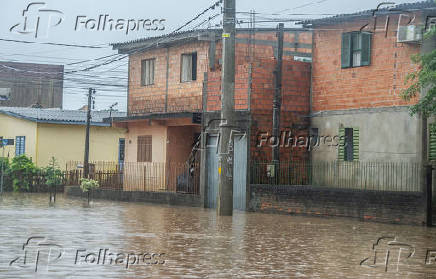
{"x": 215, "y": 5}
{"x": 304, "y": 5}
{"x": 54, "y": 44}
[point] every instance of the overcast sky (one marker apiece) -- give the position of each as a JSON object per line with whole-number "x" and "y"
{"x": 175, "y": 13}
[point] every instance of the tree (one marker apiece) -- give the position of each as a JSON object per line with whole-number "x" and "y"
{"x": 53, "y": 174}
{"x": 423, "y": 78}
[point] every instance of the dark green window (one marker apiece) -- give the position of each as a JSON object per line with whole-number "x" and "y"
{"x": 356, "y": 49}
{"x": 432, "y": 143}
{"x": 348, "y": 149}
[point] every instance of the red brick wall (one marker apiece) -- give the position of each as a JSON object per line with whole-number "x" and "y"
{"x": 186, "y": 96}
{"x": 377, "y": 85}
{"x": 245, "y": 55}
{"x": 295, "y": 92}
{"x": 294, "y": 111}
{"x": 241, "y": 81}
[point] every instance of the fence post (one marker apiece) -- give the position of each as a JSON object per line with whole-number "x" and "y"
{"x": 429, "y": 195}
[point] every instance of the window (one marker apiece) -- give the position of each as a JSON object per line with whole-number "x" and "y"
{"x": 121, "y": 150}
{"x": 20, "y": 143}
{"x": 144, "y": 149}
{"x": 348, "y": 144}
{"x": 147, "y": 72}
{"x": 356, "y": 49}
{"x": 189, "y": 67}
{"x": 432, "y": 143}
{"x": 431, "y": 23}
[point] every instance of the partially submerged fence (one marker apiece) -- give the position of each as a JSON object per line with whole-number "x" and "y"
{"x": 133, "y": 176}
{"x": 380, "y": 176}
{"x": 39, "y": 181}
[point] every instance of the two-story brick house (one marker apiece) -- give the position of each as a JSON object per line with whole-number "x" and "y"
{"x": 360, "y": 63}
{"x": 173, "y": 78}
{"x": 359, "y": 69}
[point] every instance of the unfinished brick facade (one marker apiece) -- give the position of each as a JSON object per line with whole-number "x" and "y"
{"x": 377, "y": 85}
{"x": 365, "y": 101}
{"x": 254, "y": 91}
{"x": 182, "y": 96}
{"x": 294, "y": 110}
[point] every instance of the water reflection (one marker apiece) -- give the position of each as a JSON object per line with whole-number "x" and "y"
{"x": 198, "y": 244}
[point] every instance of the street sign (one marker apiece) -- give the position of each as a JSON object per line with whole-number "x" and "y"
{"x": 5, "y": 142}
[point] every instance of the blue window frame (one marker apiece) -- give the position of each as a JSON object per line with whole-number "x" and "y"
{"x": 20, "y": 145}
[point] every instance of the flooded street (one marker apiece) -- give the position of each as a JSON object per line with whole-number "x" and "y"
{"x": 183, "y": 242}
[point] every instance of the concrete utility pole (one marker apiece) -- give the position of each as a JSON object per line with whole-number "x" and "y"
{"x": 225, "y": 159}
{"x": 88, "y": 124}
{"x": 277, "y": 103}
{"x": 3, "y": 168}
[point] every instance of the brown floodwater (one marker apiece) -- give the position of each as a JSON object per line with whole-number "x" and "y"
{"x": 183, "y": 242}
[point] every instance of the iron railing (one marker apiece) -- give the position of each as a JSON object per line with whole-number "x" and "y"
{"x": 140, "y": 176}
{"x": 378, "y": 176}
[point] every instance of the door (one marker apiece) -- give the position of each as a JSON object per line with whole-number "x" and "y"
{"x": 212, "y": 171}
{"x": 240, "y": 172}
{"x": 121, "y": 152}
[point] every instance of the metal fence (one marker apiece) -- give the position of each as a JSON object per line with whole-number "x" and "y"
{"x": 140, "y": 176}
{"x": 380, "y": 176}
{"x": 34, "y": 182}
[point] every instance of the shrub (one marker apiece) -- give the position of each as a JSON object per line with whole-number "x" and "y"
{"x": 88, "y": 184}
{"x": 52, "y": 174}
{"x": 22, "y": 170}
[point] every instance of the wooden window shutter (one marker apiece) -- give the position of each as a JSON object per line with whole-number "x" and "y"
{"x": 143, "y": 70}
{"x": 356, "y": 144}
{"x": 194, "y": 66}
{"x": 432, "y": 143}
{"x": 346, "y": 50}
{"x": 341, "y": 147}
{"x": 186, "y": 70}
{"x": 366, "y": 48}
{"x": 144, "y": 153}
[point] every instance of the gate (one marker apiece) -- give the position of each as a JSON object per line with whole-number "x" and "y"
{"x": 212, "y": 171}
{"x": 239, "y": 172}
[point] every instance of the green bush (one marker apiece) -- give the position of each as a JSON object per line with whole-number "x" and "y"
{"x": 22, "y": 170}
{"x": 88, "y": 184}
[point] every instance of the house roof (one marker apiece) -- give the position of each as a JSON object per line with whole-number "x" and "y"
{"x": 59, "y": 116}
{"x": 165, "y": 115}
{"x": 422, "y": 5}
{"x": 181, "y": 37}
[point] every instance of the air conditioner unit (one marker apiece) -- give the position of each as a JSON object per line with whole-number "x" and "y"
{"x": 409, "y": 34}
{"x": 5, "y": 94}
